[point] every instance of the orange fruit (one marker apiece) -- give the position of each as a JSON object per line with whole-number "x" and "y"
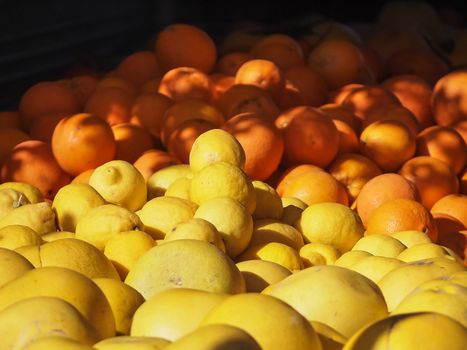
{"x": 373, "y": 61}
{"x": 83, "y": 177}
{"x": 10, "y": 119}
{"x": 262, "y": 73}
{"x": 451, "y": 233}
{"x": 454, "y": 205}
{"x": 281, "y": 49}
{"x": 153, "y": 160}
{"x": 112, "y": 104}
{"x": 81, "y": 142}
{"x": 342, "y": 113}
{"x": 338, "y": 95}
{"x": 184, "y": 45}
{"x": 353, "y": 171}
{"x": 401, "y": 214}
{"x": 117, "y": 82}
{"x": 82, "y": 86}
{"x": 261, "y": 141}
{"x": 33, "y": 162}
{"x": 290, "y": 174}
{"x": 309, "y": 136}
{"x": 151, "y": 86}
{"x": 230, "y": 62}
{"x": 9, "y": 138}
{"x": 414, "y": 93}
{"x": 443, "y": 143}
{"x": 388, "y": 143}
{"x": 432, "y": 177}
{"x": 348, "y": 140}
{"x": 461, "y": 128}
{"x": 43, "y": 128}
{"x": 381, "y": 189}
{"x": 131, "y": 141}
{"x": 449, "y": 98}
{"x": 139, "y": 67}
{"x": 184, "y": 83}
{"x": 221, "y": 83}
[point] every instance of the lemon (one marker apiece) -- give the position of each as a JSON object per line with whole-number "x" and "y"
{"x": 459, "y": 277}
{"x": 179, "y": 188}
{"x": 73, "y": 201}
{"x": 282, "y": 328}
{"x": 259, "y": 274}
{"x": 427, "y": 250}
{"x": 231, "y": 219}
{"x": 42, "y": 316}
{"x": 15, "y": 236}
{"x": 214, "y": 337}
{"x": 11, "y": 199}
{"x": 216, "y": 145}
{"x": 380, "y": 245}
{"x": 270, "y": 230}
{"x": 39, "y": 217}
{"x": 119, "y": 182}
{"x": 185, "y": 263}
{"x": 279, "y": 253}
{"x": 123, "y": 299}
{"x": 292, "y": 209}
{"x": 173, "y": 313}
{"x": 31, "y": 192}
{"x": 331, "y": 223}
{"x": 313, "y": 254}
{"x": 376, "y": 267}
{"x": 329, "y": 337}
{"x": 71, "y": 286}
{"x": 268, "y": 202}
{"x": 223, "y": 179}
{"x": 31, "y": 253}
{"x": 53, "y": 236}
{"x": 124, "y": 248}
{"x": 56, "y": 343}
{"x": 338, "y": 297}
{"x": 101, "y": 223}
{"x": 160, "y": 181}
{"x": 12, "y": 265}
{"x": 196, "y": 228}
{"x": 351, "y": 257}
{"x": 132, "y": 343}
{"x": 411, "y": 237}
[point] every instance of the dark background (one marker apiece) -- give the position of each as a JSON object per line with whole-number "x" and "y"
{"x": 42, "y": 40}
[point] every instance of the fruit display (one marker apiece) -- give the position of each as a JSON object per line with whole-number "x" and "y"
{"x": 269, "y": 189}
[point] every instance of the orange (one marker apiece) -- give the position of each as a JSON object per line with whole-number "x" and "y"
{"x": 432, "y": 177}
{"x": 353, "y": 171}
{"x": 261, "y": 141}
{"x": 342, "y": 113}
{"x": 112, "y": 104}
{"x": 339, "y": 61}
{"x": 83, "y": 177}
{"x": 33, "y": 162}
{"x": 449, "y": 98}
{"x": 463, "y": 182}
{"x": 151, "y": 86}
{"x": 184, "y": 45}
{"x": 10, "y": 119}
{"x": 381, "y": 189}
{"x": 183, "y": 83}
{"x": 401, "y": 214}
{"x": 117, "y": 82}
{"x": 43, "y": 128}
{"x": 229, "y": 63}
{"x": 454, "y": 205}
{"x": 281, "y": 49}
{"x": 139, "y": 67}
{"x": 451, "y": 234}
{"x": 148, "y": 111}
{"x": 348, "y": 140}
{"x": 131, "y": 141}
{"x": 374, "y": 62}
{"x": 317, "y": 187}
{"x": 153, "y": 160}
{"x": 221, "y": 83}
{"x": 443, "y": 143}
{"x": 388, "y": 143}
{"x": 81, "y": 142}
{"x": 290, "y": 174}
{"x": 45, "y": 98}
{"x": 414, "y": 93}
{"x": 9, "y": 138}
{"x": 309, "y": 136}
{"x": 262, "y": 73}
{"x": 338, "y": 95}
{"x": 461, "y": 128}
{"x": 82, "y": 86}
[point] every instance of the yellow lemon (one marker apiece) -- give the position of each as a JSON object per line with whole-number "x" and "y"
{"x": 313, "y": 254}
{"x": 119, "y": 182}
{"x": 292, "y": 209}
{"x": 31, "y": 192}
{"x": 132, "y": 343}
{"x": 223, "y": 179}
{"x": 214, "y": 337}
{"x": 376, "y": 267}
{"x": 39, "y": 217}
{"x": 426, "y": 330}
{"x": 11, "y": 199}
{"x": 124, "y": 248}
{"x": 12, "y": 265}
{"x": 43, "y": 316}
{"x": 73, "y": 201}
{"x": 270, "y": 230}
{"x": 411, "y": 237}
{"x": 56, "y": 343}
{"x": 268, "y": 202}
{"x": 459, "y": 277}
{"x": 71, "y": 286}
{"x": 380, "y": 245}
{"x": 427, "y": 250}
{"x": 123, "y": 299}
{"x": 15, "y": 236}
{"x": 351, "y": 257}
{"x": 279, "y": 253}
{"x": 173, "y": 313}
{"x": 31, "y": 253}
{"x": 216, "y": 145}
{"x": 247, "y": 311}
{"x": 179, "y": 188}
{"x": 329, "y": 337}
{"x": 259, "y": 274}
{"x": 160, "y": 181}
{"x": 338, "y": 297}
{"x": 331, "y": 223}
{"x": 196, "y": 228}
{"x": 161, "y": 214}
{"x": 101, "y": 223}
{"x": 53, "y": 236}
{"x": 185, "y": 263}
{"x": 232, "y": 221}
